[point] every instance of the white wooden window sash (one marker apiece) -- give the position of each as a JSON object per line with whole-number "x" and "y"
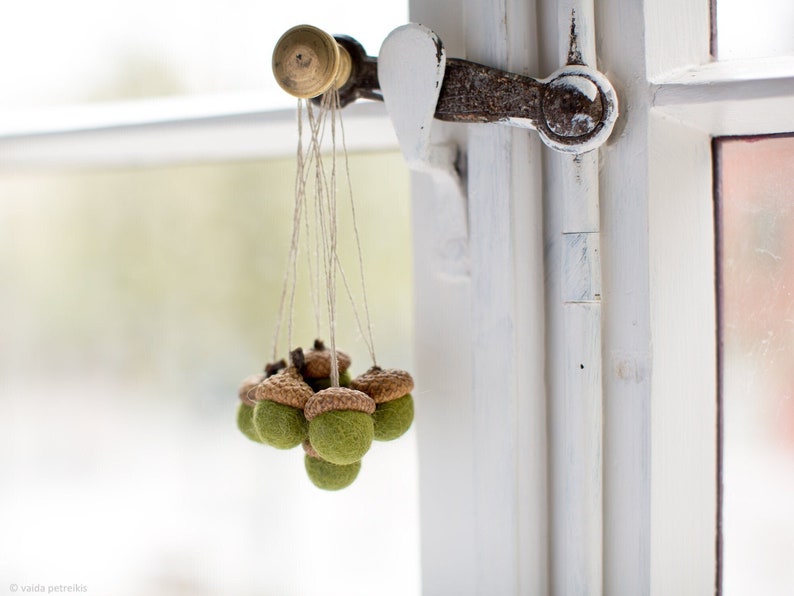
{"x": 165, "y": 131}
{"x": 570, "y": 444}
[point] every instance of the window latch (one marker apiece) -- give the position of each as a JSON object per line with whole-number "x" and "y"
{"x": 573, "y": 110}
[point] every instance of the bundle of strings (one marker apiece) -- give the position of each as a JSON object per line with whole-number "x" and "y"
{"x": 315, "y": 218}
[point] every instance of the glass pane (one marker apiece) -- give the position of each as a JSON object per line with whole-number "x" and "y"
{"x": 756, "y": 205}
{"x": 54, "y": 52}
{"x": 757, "y": 29}
{"x": 132, "y": 303}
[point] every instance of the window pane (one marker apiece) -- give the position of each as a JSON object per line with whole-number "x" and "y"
{"x": 757, "y": 29}
{"x": 54, "y": 52}
{"x": 131, "y": 305}
{"x": 756, "y": 205}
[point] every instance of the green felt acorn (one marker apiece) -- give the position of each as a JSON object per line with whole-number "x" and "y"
{"x": 317, "y": 362}
{"x": 383, "y": 384}
{"x": 341, "y": 429}
{"x": 393, "y": 418}
{"x": 326, "y": 475}
{"x": 390, "y": 389}
{"x": 245, "y": 421}
{"x": 278, "y": 415}
{"x": 280, "y": 426}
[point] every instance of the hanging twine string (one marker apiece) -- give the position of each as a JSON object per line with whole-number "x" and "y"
{"x": 332, "y": 232}
{"x": 313, "y": 239}
{"x": 324, "y": 239}
{"x": 368, "y": 339}
{"x": 326, "y": 221}
{"x": 290, "y": 270}
{"x": 325, "y": 218}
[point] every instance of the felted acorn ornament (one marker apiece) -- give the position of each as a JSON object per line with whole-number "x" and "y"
{"x": 317, "y": 361}
{"x": 384, "y": 384}
{"x": 326, "y": 475}
{"x": 392, "y": 419}
{"x": 278, "y": 425}
{"x": 286, "y": 387}
{"x": 245, "y": 421}
{"x": 340, "y": 424}
{"x": 246, "y": 389}
{"x": 278, "y": 414}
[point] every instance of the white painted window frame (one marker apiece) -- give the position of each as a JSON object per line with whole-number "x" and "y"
{"x": 571, "y": 443}
{"x": 168, "y": 131}
{"x": 568, "y": 437}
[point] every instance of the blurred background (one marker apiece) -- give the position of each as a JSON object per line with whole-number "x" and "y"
{"x": 133, "y": 301}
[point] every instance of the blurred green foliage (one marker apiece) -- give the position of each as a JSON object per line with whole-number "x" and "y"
{"x": 167, "y": 280}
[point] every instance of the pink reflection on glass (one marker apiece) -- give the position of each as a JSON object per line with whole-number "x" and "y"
{"x": 756, "y": 225}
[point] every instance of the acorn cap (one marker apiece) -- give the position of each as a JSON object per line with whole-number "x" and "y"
{"x": 307, "y": 447}
{"x": 245, "y": 391}
{"x": 317, "y": 361}
{"x": 338, "y": 398}
{"x": 286, "y": 387}
{"x": 384, "y": 384}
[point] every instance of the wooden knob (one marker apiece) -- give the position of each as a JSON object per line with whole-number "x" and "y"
{"x": 308, "y": 61}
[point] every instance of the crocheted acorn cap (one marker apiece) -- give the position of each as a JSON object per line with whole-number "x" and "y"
{"x": 338, "y": 398}
{"x": 245, "y": 391}
{"x": 317, "y": 361}
{"x": 383, "y": 384}
{"x": 286, "y": 387}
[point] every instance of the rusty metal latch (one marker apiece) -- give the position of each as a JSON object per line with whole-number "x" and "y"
{"x": 573, "y": 110}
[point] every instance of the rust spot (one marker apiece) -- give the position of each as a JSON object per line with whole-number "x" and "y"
{"x": 574, "y": 53}
{"x": 472, "y": 92}
{"x": 439, "y": 49}
{"x": 572, "y": 106}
